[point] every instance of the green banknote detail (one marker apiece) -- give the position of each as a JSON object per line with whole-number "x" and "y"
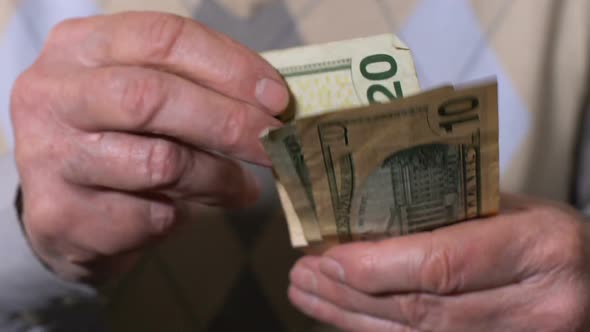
{"x": 327, "y": 78}
{"x": 412, "y": 165}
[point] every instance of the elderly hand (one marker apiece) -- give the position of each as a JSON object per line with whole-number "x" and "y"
{"x": 124, "y": 118}
{"x": 526, "y": 269}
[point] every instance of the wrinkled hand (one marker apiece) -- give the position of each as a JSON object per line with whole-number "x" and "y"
{"x": 526, "y": 269}
{"x": 125, "y": 118}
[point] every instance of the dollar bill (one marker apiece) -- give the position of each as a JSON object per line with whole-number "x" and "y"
{"x": 411, "y": 165}
{"x": 322, "y": 79}
{"x": 293, "y": 185}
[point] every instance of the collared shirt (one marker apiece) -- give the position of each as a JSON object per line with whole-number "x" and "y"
{"x": 230, "y": 268}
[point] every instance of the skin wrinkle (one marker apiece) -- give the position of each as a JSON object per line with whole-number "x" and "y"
{"x": 538, "y": 279}
{"x": 7, "y": 8}
{"x": 101, "y": 138}
{"x": 435, "y": 269}
{"x": 224, "y": 79}
{"x": 140, "y": 100}
{"x": 165, "y": 41}
{"x": 317, "y": 307}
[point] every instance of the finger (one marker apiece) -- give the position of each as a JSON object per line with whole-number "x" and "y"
{"x": 147, "y": 101}
{"x": 89, "y": 233}
{"x": 465, "y": 257}
{"x": 417, "y": 310}
{"x": 425, "y": 312}
{"x": 83, "y": 223}
{"x": 137, "y": 163}
{"x": 109, "y": 223}
{"x": 178, "y": 45}
{"x": 326, "y": 312}
{"x": 307, "y": 277}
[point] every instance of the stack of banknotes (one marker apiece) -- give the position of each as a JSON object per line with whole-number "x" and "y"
{"x": 364, "y": 154}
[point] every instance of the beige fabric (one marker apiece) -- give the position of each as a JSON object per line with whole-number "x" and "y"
{"x": 544, "y": 46}
{"x": 179, "y": 7}
{"x": 7, "y": 8}
{"x": 3, "y": 145}
{"x": 351, "y": 19}
{"x": 244, "y": 8}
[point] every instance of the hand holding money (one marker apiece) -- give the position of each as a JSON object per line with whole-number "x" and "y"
{"x": 134, "y": 136}
{"x": 522, "y": 270}
{"x": 398, "y": 166}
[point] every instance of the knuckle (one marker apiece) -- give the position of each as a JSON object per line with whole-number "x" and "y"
{"x": 165, "y": 32}
{"x": 164, "y": 163}
{"x": 365, "y": 269}
{"x": 63, "y": 30}
{"x": 232, "y": 129}
{"x": 18, "y": 98}
{"x": 20, "y": 86}
{"x": 436, "y": 272}
{"x": 45, "y": 218}
{"x": 34, "y": 107}
{"x": 140, "y": 98}
{"x": 25, "y": 93}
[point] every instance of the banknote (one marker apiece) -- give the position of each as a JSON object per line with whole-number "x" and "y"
{"x": 322, "y": 79}
{"x": 284, "y": 150}
{"x": 414, "y": 164}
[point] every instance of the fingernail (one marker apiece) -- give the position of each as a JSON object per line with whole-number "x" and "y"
{"x": 304, "y": 279}
{"x": 272, "y": 95}
{"x": 161, "y": 216}
{"x": 332, "y": 268}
